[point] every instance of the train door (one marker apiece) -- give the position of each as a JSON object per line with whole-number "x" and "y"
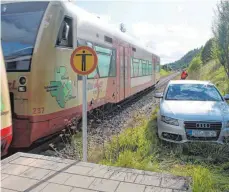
{"x": 154, "y": 69}
{"x": 123, "y": 60}
{"x": 127, "y": 72}
{"x": 122, "y": 73}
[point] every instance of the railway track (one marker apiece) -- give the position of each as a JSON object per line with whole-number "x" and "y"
{"x": 131, "y": 99}
{"x": 96, "y": 115}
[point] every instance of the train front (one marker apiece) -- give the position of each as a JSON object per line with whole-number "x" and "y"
{"x": 20, "y": 23}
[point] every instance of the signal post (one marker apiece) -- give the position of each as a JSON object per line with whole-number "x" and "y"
{"x": 84, "y": 61}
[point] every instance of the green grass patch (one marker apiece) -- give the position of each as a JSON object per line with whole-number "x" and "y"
{"x": 140, "y": 148}
{"x": 214, "y": 72}
{"x": 164, "y": 72}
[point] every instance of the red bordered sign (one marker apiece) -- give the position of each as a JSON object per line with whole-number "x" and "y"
{"x": 84, "y": 60}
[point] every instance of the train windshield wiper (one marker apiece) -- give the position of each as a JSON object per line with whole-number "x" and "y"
{"x": 15, "y": 56}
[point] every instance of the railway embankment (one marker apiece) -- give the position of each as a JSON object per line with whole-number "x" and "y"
{"x": 103, "y": 125}
{"x": 126, "y": 138}
{"x": 137, "y": 146}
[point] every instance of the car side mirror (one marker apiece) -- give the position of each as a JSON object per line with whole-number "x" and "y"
{"x": 158, "y": 95}
{"x": 226, "y": 97}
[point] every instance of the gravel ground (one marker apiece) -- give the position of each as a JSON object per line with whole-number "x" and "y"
{"x": 101, "y": 130}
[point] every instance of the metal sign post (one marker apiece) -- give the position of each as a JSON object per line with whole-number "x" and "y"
{"x": 84, "y": 128}
{"x": 84, "y": 61}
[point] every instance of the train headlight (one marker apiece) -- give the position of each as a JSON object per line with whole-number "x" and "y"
{"x": 22, "y": 80}
{"x": 22, "y": 89}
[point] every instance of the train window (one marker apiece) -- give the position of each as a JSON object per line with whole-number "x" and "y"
{"x": 150, "y": 68}
{"x": 136, "y": 66}
{"x": 112, "y": 71}
{"x": 136, "y": 63}
{"x": 140, "y": 69}
{"x": 158, "y": 68}
{"x": 108, "y": 39}
{"x": 65, "y": 35}
{"x": 104, "y": 60}
{"x": 132, "y": 68}
{"x": 136, "y": 60}
{"x": 92, "y": 75}
{"x": 133, "y": 49}
{"x": 144, "y": 68}
{"x": 95, "y": 73}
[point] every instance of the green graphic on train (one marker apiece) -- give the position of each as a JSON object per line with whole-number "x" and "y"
{"x": 63, "y": 87}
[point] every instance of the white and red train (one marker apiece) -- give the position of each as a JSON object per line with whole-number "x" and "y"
{"x": 38, "y": 39}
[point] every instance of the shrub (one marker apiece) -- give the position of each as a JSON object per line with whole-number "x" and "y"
{"x": 195, "y": 64}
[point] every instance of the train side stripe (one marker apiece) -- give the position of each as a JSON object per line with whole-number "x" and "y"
{"x": 6, "y": 131}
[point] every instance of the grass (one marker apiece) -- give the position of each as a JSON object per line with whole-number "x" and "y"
{"x": 164, "y": 72}
{"x": 213, "y": 72}
{"x": 139, "y": 148}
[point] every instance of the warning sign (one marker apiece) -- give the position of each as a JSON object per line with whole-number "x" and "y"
{"x": 84, "y": 60}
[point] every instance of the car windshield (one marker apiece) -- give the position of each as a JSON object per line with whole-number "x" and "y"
{"x": 194, "y": 92}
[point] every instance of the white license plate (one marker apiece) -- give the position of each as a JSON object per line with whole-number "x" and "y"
{"x": 202, "y": 133}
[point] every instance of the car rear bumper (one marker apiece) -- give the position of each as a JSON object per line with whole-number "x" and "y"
{"x": 177, "y": 134}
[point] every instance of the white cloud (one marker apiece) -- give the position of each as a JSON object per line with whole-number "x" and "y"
{"x": 180, "y": 8}
{"x": 173, "y": 31}
{"x": 171, "y": 42}
{"x": 105, "y": 18}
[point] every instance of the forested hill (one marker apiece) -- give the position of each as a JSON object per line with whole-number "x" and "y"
{"x": 184, "y": 61}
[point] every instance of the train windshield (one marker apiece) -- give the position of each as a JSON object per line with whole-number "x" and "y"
{"x": 19, "y": 27}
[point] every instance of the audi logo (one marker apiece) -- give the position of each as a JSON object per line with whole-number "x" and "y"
{"x": 203, "y": 125}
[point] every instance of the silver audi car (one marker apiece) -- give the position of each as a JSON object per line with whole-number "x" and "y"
{"x": 192, "y": 111}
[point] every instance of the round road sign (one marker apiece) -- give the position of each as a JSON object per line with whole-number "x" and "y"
{"x": 84, "y": 60}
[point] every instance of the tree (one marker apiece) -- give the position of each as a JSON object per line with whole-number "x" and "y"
{"x": 195, "y": 64}
{"x": 209, "y": 51}
{"x": 220, "y": 29}
{"x": 185, "y": 60}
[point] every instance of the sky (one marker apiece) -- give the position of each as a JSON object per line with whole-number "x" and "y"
{"x": 170, "y": 27}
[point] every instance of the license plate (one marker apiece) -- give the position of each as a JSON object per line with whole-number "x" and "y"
{"x": 202, "y": 133}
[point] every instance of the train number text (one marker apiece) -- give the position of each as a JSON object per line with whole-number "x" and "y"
{"x": 38, "y": 110}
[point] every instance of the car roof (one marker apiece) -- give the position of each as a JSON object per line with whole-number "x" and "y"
{"x": 190, "y": 82}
